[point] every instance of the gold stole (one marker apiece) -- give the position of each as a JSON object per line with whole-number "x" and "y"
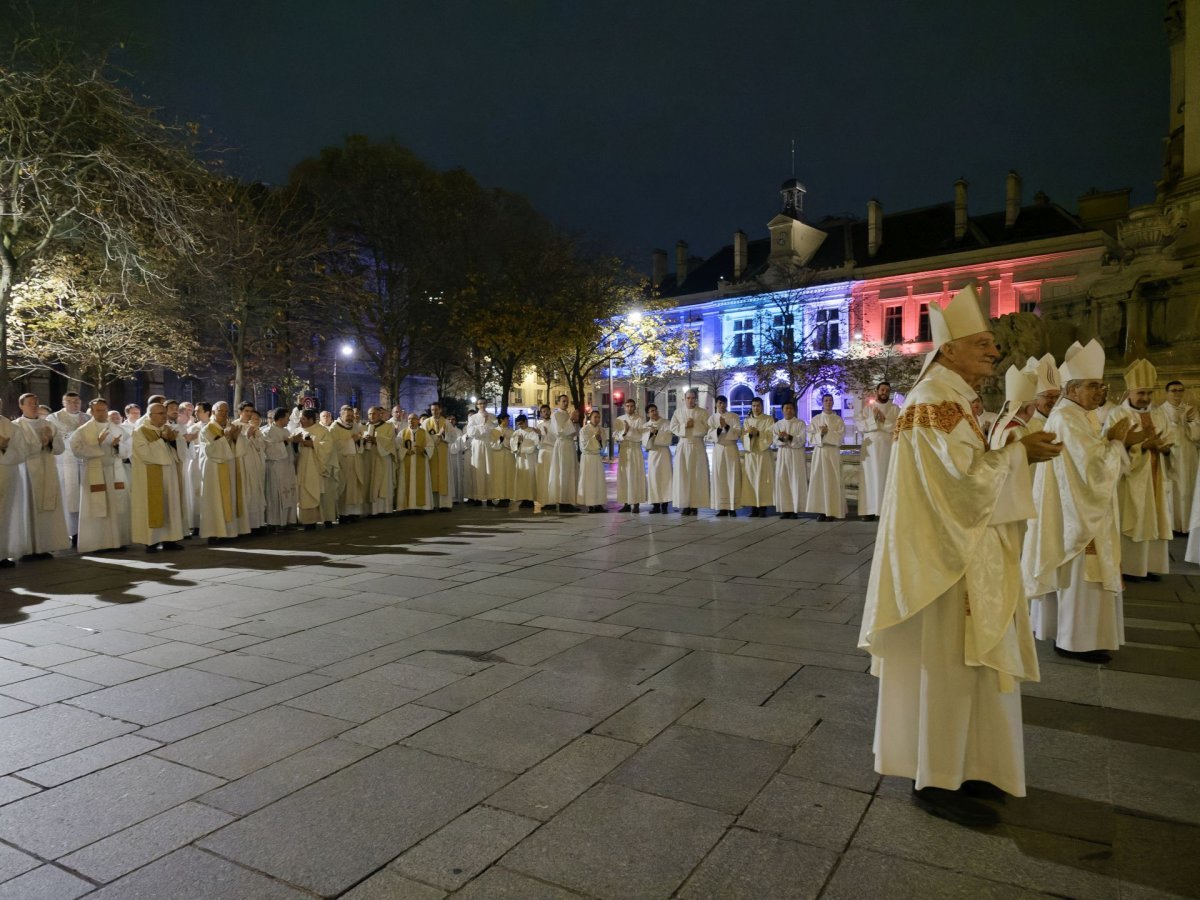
{"x": 215, "y": 432}
{"x": 439, "y": 470}
{"x": 155, "y": 507}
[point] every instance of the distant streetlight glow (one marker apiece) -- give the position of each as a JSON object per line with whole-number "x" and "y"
{"x": 635, "y": 317}
{"x": 347, "y": 349}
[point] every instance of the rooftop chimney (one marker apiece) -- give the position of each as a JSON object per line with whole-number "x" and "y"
{"x": 658, "y": 268}
{"x": 681, "y": 263}
{"x": 960, "y": 209}
{"x": 1012, "y": 199}
{"x": 739, "y": 253}
{"x": 874, "y": 226}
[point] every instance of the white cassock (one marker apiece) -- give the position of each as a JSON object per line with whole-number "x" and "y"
{"x": 690, "y": 484}
{"x": 454, "y": 449}
{"x": 480, "y": 426}
{"x": 1037, "y": 422}
{"x": 156, "y": 491}
{"x": 414, "y": 447}
{"x": 439, "y": 463}
{"x": 279, "y": 479}
{"x": 1072, "y": 555}
{"x": 13, "y": 536}
{"x": 1192, "y": 553}
{"x": 103, "y": 490}
{"x": 1183, "y": 463}
{"x": 947, "y": 631}
{"x": 331, "y": 478}
{"x": 312, "y": 474}
{"x": 220, "y": 502}
{"x": 1145, "y": 515}
{"x": 192, "y": 474}
{"x": 502, "y": 465}
{"x": 758, "y": 467}
{"x": 791, "y": 471}
{"x": 252, "y": 464}
{"x": 44, "y": 525}
{"x": 379, "y": 468}
{"x": 592, "y": 490}
{"x": 877, "y": 424}
{"x": 631, "y": 466}
{"x": 826, "y": 494}
{"x": 69, "y": 465}
{"x": 544, "y": 457}
{"x": 657, "y": 441}
{"x": 724, "y": 429}
{"x": 184, "y": 452}
{"x": 524, "y": 444}
{"x": 349, "y": 467}
{"x": 562, "y": 481}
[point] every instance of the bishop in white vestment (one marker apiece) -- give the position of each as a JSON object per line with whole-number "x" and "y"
{"x": 439, "y": 463}
{"x": 379, "y": 463}
{"x": 1072, "y": 554}
{"x": 631, "y": 465}
{"x": 656, "y": 438}
{"x": 104, "y": 494}
{"x": 946, "y": 630}
{"x": 826, "y": 491}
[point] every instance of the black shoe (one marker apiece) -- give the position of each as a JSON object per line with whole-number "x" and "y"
{"x": 1088, "y": 656}
{"x": 625, "y": 508}
{"x": 7, "y": 564}
{"x": 954, "y": 807}
{"x": 637, "y": 507}
{"x": 312, "y": 527}
{"x": 983, "y": 790}
{"x": 172, "y": 545}
{"x": 153, "y": 548}
{"x": 1153, "y": 576}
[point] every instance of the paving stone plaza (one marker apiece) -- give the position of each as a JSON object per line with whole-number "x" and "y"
{"x": 493, "y": 704}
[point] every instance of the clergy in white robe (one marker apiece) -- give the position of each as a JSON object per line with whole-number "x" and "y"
{"x": 252, "y": 461}
{"x": 379, "y": 464}
{"x": 455, "y": 445}
{"x": 1049, "y": 389}
{"x": 1145, "y": 515}
{"x": 43, "y": 523}
{"x": 104, "y": 493}
{"x": 202, "y": 415}
{"x": 66, "y": 420}
{"x": 723, "y": 431}
{"x": 1072, "y": 553}
{"x": 415, "y": 447}
{"x": 944, "y": 615}
{"x": 524, "y": 443}
{"x": 877, "y": 422}
{"x": 562, "y": 482}
{"x": 156, "y": 493}
{"x": 1192, "y": 552}
{"x": 631, "y": 465}
{"x": 15, "y": 445}
{"x": 502, "y": 466}
{"x": 826, "y": 490}
{"x": 791, "y": 470}
{"x": 221, "y": 508}
{"x": 179, "y": 418}
{"x": 480, "y": 425}
{"x": 280, "y": 476}
{"x": 656, "y": 438}
{"x": 592, "y": 491}
{"x": 314, "y": 450}
{"x": 758, "y": 466}
{"x": 545, "y": 454}
{"x": 439, "y": 463}
{"x": 347, "y": 445}
{"x": 1183, "y": 462}
{"x": 690, "y": 482}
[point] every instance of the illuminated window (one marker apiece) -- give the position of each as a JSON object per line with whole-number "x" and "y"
{"x": 924, "y": 335}
{"x": 826, "y": 330}
{"x": 893, "y": 325}
{"x": 783, "y": 333}
{"x": 739, "y": 400}
{"x": 743, "y": 337}
{"x": 672, "y": 402}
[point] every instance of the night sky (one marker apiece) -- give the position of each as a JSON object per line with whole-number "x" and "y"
{"x": 640, "y": 123}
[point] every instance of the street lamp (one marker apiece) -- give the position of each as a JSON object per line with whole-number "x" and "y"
{"x": 346, "y": 350}
{"x": 633, "y": 318}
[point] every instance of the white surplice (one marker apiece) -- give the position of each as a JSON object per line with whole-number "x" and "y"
{"x": 562, "y": 481}
{"x": 1145, "y": 515}
{"x": 1183, "y": 463}
{"x": 45, "y": 525}
{"x": 156, "y": 468}
{"x": 14, "y": 535}
{"x": 758, "y": 466}
{"x": 545, "y": 456}
{"x": 947, "y": 630}
{"x": 524, "y": 443}
{"x": 791, "y": 470}
{"x": 280, "y": 476}
{"x": 878, "y": 425}
{"x": 631, "y": 465}
{"x": 502, "y": 464}
{"x": 826, "y": 492}
{"x": 591, "y": 490}
{"x": 68, "y": 465}
{"x": 723, "y": 431}
{"x": 480, "y": 426}
{"x": 104, "y": 493}
{"x": 220, "y": 503}
{"x": 379, "y": 468}
{"x": 657, "y": 441}
{"x": 690, "y": 482}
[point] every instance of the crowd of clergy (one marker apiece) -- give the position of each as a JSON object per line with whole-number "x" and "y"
{"x": 995, "y": 534}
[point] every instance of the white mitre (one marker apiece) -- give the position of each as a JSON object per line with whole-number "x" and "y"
{"x": 962, "y": 317}
{"x": 1141, "y": 376}
{"x": 1083, "y": 363}
{"x": 1020, "y": 387}
{"x": 1048, "y": 376}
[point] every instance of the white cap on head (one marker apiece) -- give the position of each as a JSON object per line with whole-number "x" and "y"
{"x": 1083, "y": 363}
{"x": 1048, "y": 376}
{"x": 1019, "y": 386}
{"x": 962, "y": 317}
{"x": 1141, "y": 376}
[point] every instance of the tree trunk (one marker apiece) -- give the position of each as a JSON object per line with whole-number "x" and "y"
{"x": 7, "y": 276}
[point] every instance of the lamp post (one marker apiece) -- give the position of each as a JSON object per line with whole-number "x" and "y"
{"x": 345, "y": 350}
{"x": 633, "y": 318}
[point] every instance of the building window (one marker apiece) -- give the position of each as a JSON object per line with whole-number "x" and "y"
{"x": 783, "y": 333}
{"x": 671, "y": 403}
{"x": 826, "y": 331}
{"x": 743, "y": 337}
{"x": 893, "y": 325}
{"x": 739, "y": 400}
{"x": 924, "y": 335}
{"x": 518, "y": 396}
